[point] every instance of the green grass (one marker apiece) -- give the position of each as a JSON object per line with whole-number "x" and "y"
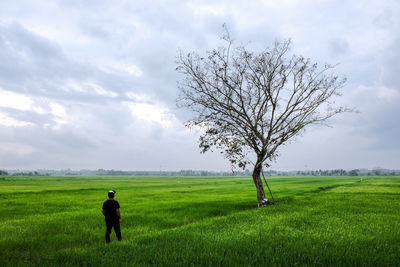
{"x": 57, "y": 221}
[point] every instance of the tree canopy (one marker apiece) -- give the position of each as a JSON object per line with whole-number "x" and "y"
{"x": 250, "y": 103}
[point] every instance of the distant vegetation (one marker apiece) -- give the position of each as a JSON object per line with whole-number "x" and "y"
{"x": 23, "y": 173}
{"x": 103, "y": 172}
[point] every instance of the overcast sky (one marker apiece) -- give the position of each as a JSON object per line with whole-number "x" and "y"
{"x": 92, "y": 84}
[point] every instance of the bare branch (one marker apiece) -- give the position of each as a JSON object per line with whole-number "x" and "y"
{"x": 249, "y": 101}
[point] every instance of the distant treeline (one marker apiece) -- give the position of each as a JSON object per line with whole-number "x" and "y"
{"x": 22, "y": 173}
{"x": 103, "y": 172}
{"x": 336, "y": 172}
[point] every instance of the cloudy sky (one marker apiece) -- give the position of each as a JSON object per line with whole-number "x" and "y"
{"x": 92, "y": 84}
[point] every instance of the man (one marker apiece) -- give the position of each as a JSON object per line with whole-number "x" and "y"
{"x": 112, "y": 215}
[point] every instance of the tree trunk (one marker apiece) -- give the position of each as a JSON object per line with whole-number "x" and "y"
{"x": 259, "y": 185}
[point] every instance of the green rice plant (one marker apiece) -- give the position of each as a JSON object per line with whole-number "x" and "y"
{"x": 57, "y": 221}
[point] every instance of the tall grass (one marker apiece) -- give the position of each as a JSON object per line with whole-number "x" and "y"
{"x": 200, "y": 222}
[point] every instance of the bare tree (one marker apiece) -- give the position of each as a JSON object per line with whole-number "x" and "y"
{"x": 250, "y": 103}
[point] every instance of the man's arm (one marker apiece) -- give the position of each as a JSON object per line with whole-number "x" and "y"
{"x": 104, "y": 212}
{"x": 119, "y": 214}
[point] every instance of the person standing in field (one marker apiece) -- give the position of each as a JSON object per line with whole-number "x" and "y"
{"x": 112, "y": 216}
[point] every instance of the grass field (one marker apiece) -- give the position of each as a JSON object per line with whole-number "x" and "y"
{"x": 57, "y": 221}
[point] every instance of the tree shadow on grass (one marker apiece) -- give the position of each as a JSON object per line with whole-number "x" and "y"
{"x": 186, "y": 213}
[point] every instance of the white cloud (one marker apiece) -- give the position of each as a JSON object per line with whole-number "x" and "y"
{"x": 139, "y": 97}
{"x": 58, "y": 110}
{"x": 100, "y": 90}
{"x": 6, "y": 120}
{"x": 130, "y": 69}
{"x": 72, "y": 85}
{"x": 18, "y": 101}
{"x": 152, "y": 113}
{"x": 60, "y": 115}
{"x": 41, "y": 106}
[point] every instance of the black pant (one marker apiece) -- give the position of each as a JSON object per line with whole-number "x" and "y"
{"x": 110, "y": 225}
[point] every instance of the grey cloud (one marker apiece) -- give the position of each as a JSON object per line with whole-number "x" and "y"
{"x": 390, "y": 67}
{"x": 28, "y": 116}
{"x": 102, "y": 132}
{"x": 384, "y": 127}
{"x": 36, "y": 66}
{"x": 339, "y": 46}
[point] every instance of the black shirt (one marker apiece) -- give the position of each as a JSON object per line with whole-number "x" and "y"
{"x": 110, "y": 207}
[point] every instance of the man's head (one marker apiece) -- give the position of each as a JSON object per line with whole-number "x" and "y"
{"x": 111, "y": 193}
